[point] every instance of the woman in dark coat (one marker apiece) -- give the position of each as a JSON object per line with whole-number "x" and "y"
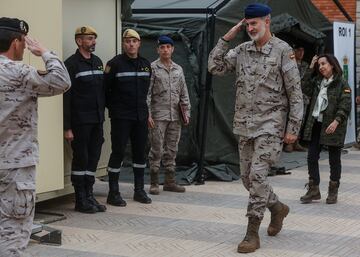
{"x": 326, "y": 124}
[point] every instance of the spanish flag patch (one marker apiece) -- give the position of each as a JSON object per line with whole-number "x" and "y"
{"x": 347, "y": 90}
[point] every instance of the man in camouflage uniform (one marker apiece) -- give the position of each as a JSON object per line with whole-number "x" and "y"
{"x": 268, "y": 111}
{"x": 167, "y": 90}
{"x": 303, "y": 66}
{"x": 20, "y": 87}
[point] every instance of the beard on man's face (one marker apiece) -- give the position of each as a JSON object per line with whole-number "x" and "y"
{"x": 259, "y": 34}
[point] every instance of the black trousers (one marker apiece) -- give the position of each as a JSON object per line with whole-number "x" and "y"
{"x": 121, "y": 131}
{"x": 86, "y": 146}
{"x": 314, "y": 156}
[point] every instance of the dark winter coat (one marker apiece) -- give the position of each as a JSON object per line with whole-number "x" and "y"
{"x": 339, "y": 107}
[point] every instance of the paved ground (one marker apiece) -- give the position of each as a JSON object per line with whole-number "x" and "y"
{"x": 209, "y": 221}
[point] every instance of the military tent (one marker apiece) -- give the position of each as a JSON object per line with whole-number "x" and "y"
{"x": 196, "y": 26}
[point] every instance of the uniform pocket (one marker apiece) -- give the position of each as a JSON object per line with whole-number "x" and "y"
{"x": 24, "y": 202}
{"x": 18, "y": 201}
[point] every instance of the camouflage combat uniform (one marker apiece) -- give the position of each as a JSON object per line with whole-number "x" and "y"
{"x": 268, "y": 103}
{"x": 167, "y": 89}
{"x": 20, "y": 87}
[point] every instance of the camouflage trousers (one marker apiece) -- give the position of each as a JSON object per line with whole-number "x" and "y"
{"x": 164, "y": 140}
{"x": 257, "y": 155}
{"x": 17, "y": 208}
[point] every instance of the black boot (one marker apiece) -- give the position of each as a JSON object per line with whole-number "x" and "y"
{"x": 139, "y": 192}
{"x": 89, "y": 183}
{"x": 114, "y": 196}
{"x": 81, "y": 202}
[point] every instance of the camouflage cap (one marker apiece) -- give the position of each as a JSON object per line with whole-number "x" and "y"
{"x": 14, "y": 24}
{"x": 131, "y": 33}
{"x": 85, "y": 30}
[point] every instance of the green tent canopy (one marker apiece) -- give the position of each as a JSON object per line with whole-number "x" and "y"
{"x": 196, "y": 26}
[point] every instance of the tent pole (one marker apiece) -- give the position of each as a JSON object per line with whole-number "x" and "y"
{"x": 342, "y": 9}
{"x": 201, "y": 172}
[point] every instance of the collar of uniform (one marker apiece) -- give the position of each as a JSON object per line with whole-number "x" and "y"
{"x": 129, "y": 58}
{"x": 265, "y": 49}
{"x": 81, "y": 57}
{"x": 161, "y": 65}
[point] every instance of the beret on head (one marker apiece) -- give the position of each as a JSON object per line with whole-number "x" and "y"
{"x": 13, "y": 24}
{"x": 256, "y": 10}
{"x": 131, "y": 33}
{"x": 165, "y": 40}
{"x": 85, "y": 30}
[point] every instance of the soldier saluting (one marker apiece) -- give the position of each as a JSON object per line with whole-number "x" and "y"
{"x": 268, "y": 111}
{"x": 20, "y": 87}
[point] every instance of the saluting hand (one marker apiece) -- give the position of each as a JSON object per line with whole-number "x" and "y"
{"x": 231, "y": 34}
{"x": 34, "y": 46}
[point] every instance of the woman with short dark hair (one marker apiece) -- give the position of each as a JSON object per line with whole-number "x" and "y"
{"x": 330, "y": 105}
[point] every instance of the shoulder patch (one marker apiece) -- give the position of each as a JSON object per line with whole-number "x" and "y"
{"x": 347, "y": 90}
{"x": 42, "y": 72}
{"x": 107, "y": 69}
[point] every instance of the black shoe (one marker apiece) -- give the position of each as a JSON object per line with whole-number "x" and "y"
{"x": 85, "y": 207}
{"x": 94, "y": 202}
{"x": 114, "y": 198}
{"x": 141, "y": 197}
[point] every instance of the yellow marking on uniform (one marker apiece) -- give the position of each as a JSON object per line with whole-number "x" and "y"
{"x": 292, "y": 56}
{"x": 147, "y": 69}
{"x": 347, "y": 90}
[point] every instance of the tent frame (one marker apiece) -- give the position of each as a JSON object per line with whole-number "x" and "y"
{"x": 210, "y": 12}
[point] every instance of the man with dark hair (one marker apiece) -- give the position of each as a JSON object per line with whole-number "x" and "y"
{"x": 20, "y": 87}
{"x": 84, "y": 106}
{"x": 167, "y": 92}
{"x": 268, "y": 111}
{"x": 127, "y": 80}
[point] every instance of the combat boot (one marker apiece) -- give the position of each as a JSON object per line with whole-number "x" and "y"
{"x": 251, "y": 241}
{"x": 89, "y": 183}
{"x": 154, "y": 182}
{"x": 278, "y": 213}
{"x": 313, "y": 193}
{"x": 299, "y": 148}
{"x": 332, "y": 192}
{"x": 114, "y": 196}
{"x": 81, "y": 202}
{"x": 170, "y": 182}
{"x": 139, "y": 192}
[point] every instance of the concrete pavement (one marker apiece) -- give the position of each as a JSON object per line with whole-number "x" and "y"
{"x": 209, "y": 221}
